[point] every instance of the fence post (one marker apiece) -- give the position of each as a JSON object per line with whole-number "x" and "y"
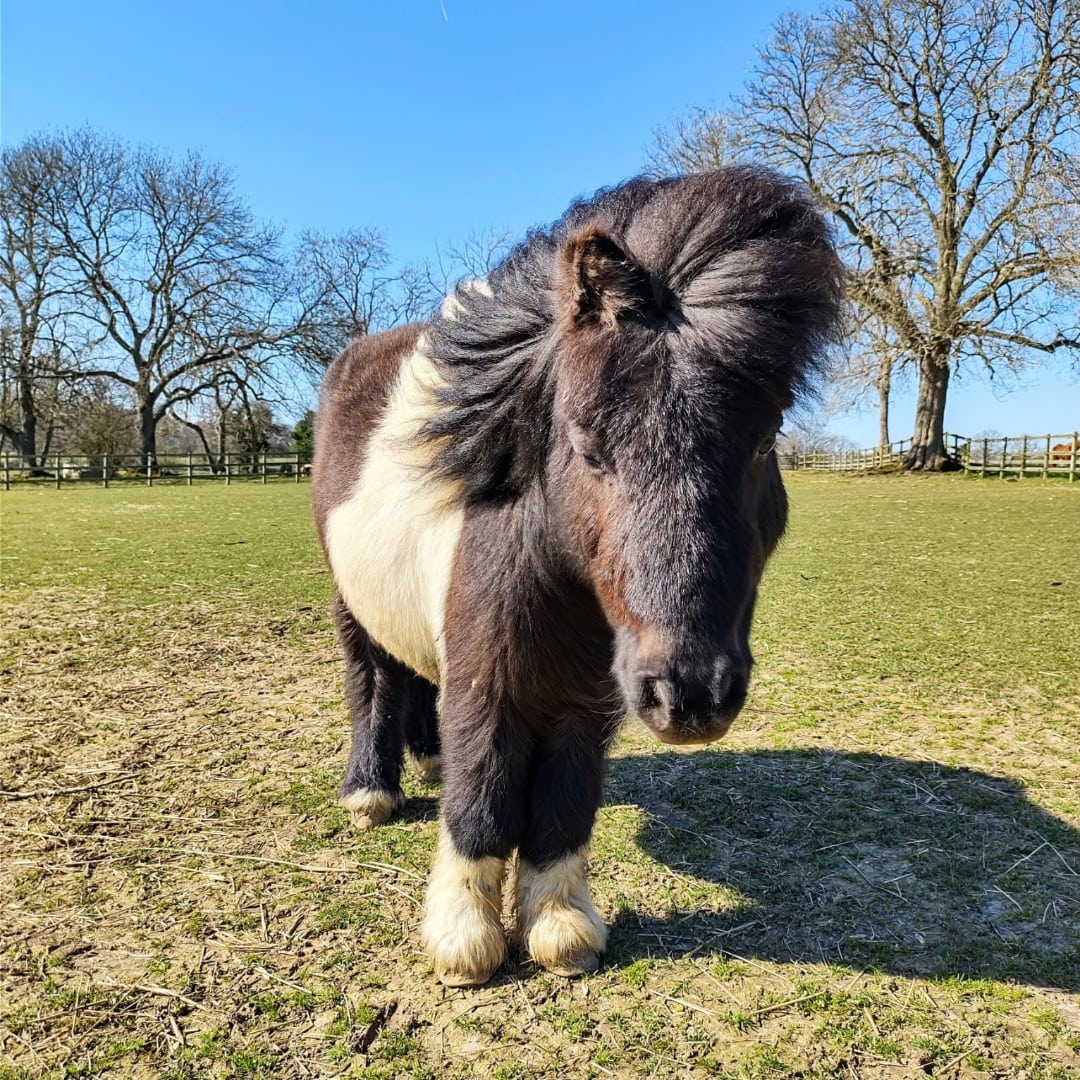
{"x": 298, "y": 466}
{"x": 986, "y": 451}
{"x": 189, "y": 468}
{"x": 1072, "y": 458}
{"x": 7, "y": 472}
{"x": 1046, "y": 459}
{"x": 1004, "y": 452}
{"x": 264, "y": 466}
{"x": 57, "y": 472}
{"x": 104, "y": 470}
{"x": 228, "y": 458}
{"x": 1023, "y": 456}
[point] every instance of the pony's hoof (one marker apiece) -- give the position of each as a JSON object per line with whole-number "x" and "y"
{"x": 428, "y": 767}
{"x": 558, "y": 927}
{"x": 567, "y": 951}
{"x": 468, "y": 960}
{"x": 459, "y": 979}
{"x": 463, "y": 931}
{"x": 466, "y": 948}
{"x": 583, "y": 963}
{"x": 368, "y": 808}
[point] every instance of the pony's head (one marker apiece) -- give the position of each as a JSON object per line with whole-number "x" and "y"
{"x": 672, "y": 325}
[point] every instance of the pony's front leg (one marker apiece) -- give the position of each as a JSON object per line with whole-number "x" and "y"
{"x": 484, "y": 769}
{"x": 557, "y": 923}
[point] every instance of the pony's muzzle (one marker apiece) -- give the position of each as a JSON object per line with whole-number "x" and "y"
{"x": 680, "y": 708}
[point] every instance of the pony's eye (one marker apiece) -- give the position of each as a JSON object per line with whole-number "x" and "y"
{"x": 768, "y": 444}
{"x": 587, "y": 447}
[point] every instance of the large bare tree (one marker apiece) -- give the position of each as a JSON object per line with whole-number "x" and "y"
{"x": 943, "y": 135}
{"x": 178, "y": 278}
{"x": 37, "y": 301}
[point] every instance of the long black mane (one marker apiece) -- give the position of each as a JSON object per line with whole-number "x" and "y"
{"x": 742, "y": 253}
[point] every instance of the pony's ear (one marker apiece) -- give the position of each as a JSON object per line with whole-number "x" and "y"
{"x": 598, "y": 280}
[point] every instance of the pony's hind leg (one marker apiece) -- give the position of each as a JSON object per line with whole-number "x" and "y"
{"x": 374, "y": 684}
{"x": 420, "y": 718}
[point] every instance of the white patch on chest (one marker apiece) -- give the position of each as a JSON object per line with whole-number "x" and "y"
{"x": 391, "y": 544}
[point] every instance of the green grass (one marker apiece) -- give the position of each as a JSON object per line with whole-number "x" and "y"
{"x": 159, "y": 547}
{"x": 875, "y": 875}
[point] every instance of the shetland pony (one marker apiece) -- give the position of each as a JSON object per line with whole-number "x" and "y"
{"x": 550, "y": 506}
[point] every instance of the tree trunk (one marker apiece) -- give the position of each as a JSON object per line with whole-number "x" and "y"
{"x": 24, "y": 438}
{"x": 928, "y": 439}
{"x": 884, "y": 387}
{"x": 28, "y": 435}
{"x": 147, "y": 432}
{"x": 222, "y": 440}
{"x": 24, "y": 441}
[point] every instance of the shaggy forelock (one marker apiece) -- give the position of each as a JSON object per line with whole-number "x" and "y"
{"x": 741, "y": 259}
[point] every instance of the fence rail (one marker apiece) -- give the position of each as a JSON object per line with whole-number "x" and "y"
{"x": 1020, "y": 455}
{"x": 880, "y": 457}
{"x": 1013, "y": 456}
{"x": 104, "y": 470}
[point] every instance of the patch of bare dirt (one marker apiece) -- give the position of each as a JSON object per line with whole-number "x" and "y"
{"x": 181, "y": 896}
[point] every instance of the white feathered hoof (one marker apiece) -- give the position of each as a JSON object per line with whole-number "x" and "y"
{"x": 463, "y": 931}
{"x": 368, "y": 808}
{"x": 467, "y": 954}
{"x": 558, "y": 926}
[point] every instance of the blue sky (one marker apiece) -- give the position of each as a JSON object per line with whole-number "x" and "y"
{"x": 427, "y": 120}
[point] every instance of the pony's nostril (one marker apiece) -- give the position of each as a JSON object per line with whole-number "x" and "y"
{"x": 731, "y": 691}
{"x": 647, "y": 699}
{"x": 655, "y": 693}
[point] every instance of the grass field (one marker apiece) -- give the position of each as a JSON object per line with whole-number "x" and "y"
{"x": 875, "y": 875}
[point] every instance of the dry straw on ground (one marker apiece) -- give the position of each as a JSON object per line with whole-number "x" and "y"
{"x": 871, "y": 879}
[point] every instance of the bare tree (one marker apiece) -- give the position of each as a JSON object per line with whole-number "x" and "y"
{"x": 36, "y": 301}
{"x": 98, "y": 425}
{"x": 803, "y": 435}
{"x": 346, "y": 287}
{"x": 866, "y": 373}
{"x": 472, "y": 258}
{"x": 230, "y": 391}
{"x": 943, "y": 137}
{"x": 700, "y": 142}
{"x": 178, "y": 278}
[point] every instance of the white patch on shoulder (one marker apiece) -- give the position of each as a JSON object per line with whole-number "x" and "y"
{"x": 557, "y": 923}
{"x": 463, "y": 931}
{"x": 391, "y": 544}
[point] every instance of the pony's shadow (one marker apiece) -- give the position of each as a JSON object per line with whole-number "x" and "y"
{"x": 419, "y": 808}
{"x": 875, "y": 862}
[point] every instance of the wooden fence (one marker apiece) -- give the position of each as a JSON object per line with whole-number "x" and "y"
{"x": 879, "y": 458}
{"x": 105, "y": 470}
{"x": 1019, "y": 455}
{"x": 1013, "y": 456}
{"x": 1016, "y": 456}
